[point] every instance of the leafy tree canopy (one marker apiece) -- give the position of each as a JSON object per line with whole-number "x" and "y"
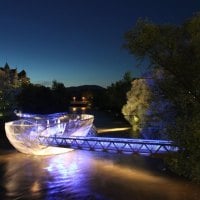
{"x": 116, "y": 93}
{"x": 175, "y": 51}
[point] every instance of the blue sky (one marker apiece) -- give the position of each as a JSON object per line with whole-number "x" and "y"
{"x": 78, "y": 42}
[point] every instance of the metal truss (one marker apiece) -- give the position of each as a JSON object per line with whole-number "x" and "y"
{"x": 115, "y": 145}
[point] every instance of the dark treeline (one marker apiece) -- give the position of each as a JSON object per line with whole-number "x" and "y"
{"x": 44, "y": 100}
{"x": 41, "y": 99}
{"x": 116, "y": 94}
{"x": 18, "y": 93}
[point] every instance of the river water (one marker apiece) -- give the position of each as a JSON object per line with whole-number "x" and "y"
{"x": 87, "y": 175}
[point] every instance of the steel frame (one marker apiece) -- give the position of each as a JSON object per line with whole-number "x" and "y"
{"x": 115, "y": 145}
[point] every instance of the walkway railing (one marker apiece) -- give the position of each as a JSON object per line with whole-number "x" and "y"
{"x": 117, "y": 145}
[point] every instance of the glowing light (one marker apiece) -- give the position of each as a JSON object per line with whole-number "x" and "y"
{"x": 83, "y": 98}
{"x": 135, "y": 118}
{"x": 24, "y": 134}
{"x": 74, "y": 109}
{"x": 103, "y": 130}
{"x": 35, "y": 187}
{"x": 83, "y": 108}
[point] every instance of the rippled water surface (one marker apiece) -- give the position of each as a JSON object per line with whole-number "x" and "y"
{"x": 88, "y": 175}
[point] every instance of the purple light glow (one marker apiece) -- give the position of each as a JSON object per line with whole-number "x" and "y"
{"x": 43, "y": 134}
{"x": 24, "y": 134}
{"x": 113, "y": 145}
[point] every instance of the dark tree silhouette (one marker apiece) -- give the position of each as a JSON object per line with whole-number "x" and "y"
{"x": 175, "y": 50}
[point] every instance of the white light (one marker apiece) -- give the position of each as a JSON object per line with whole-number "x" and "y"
{"x": 24, "y": 134}
{"x": 103, "y": 130}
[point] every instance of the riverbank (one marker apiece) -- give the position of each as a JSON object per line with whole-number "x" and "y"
{"x": 108, "y": 124}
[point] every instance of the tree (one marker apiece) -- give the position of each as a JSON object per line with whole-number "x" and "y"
{"x": 116, "y": 93}
{"x": 35, "y": 99}
{"x": 146, "y": 109}
{"x": 176, "y": 51}
{"x": 61, "y": 98}
{"x": 10, "y": 84}
{"x": 138, "y": 100}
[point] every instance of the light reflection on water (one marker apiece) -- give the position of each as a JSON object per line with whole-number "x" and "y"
{"x": 88, "y": 176}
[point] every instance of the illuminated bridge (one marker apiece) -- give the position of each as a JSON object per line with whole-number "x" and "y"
{"x": 114, "y": 145}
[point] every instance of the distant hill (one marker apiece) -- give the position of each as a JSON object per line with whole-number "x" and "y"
{"x": 85, "y": 88}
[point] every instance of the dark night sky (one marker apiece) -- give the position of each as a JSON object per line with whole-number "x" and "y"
{"x": 78, "y": 41}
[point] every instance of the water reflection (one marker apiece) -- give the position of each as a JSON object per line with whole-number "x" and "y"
{"x": 88, "y": 175}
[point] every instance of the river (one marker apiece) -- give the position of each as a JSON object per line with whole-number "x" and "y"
{"x": 87, "y": 175}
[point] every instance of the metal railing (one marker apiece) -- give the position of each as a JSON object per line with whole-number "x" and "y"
{"x": 115, "y": 145}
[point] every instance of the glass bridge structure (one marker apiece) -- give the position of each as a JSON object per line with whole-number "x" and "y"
{"x": 62, "y": 132}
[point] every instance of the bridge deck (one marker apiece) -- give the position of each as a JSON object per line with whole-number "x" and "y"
{"x": 117, "y": 145}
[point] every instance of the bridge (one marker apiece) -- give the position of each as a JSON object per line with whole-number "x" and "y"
{"x": 114, "y": 145}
